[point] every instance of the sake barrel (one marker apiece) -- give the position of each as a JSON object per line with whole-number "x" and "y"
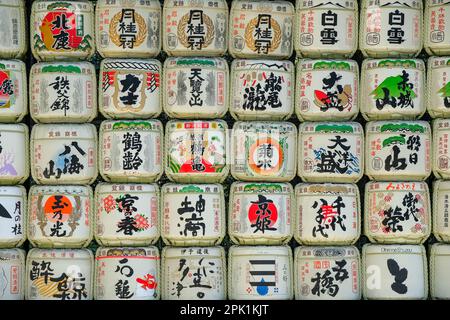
{"x": 263, "y": 151}
{"x": 440, "y": 214}
{"x": 439, "y": 265}
{"x": 331, "y": 151}
{"x": 130, "y": 88}
{"x": 260, "y": 273}
{"x": 127, "y": 273}
{"x": 59, "y": 274}
{"x": 196, "y": 151}
{"x": 13, "y": 213}
{"x": 13, "y": 90}
{"x": 437, "y": 27}
{"x": 128, "y": 29}
{"x": 192, "y": 214}
{"x": 261, "y": 213}
{"x": 394, "y": 272}
{"x": 326, "y": 90}
{"x": 12, "y": 267}
{"x": 63, "y": 92}
{"x": 62, "y": 30}
{"x": 326, "y": 29}
{"x": 131, "y": 150}
{"x": 260, "y": 29}
{"x": 126, "y": 214}
{"x": 397, "y": 212}
{"x": 195, "y": 88}
{"x": 13, "y": 33}
{"x": 197, "y": 28}
{"x": 438, "y": 87}
{"x": 14, "y": 153}
{"x": 262, "y": 89}
{"x": 208, "y": 284}
{"x": 60, "y": 216}
{"x": 393, "y": 89}
{"x": 398, "y": 150}
{"x": 327, "y": 214}
{"x": 64, "y": 153}
{"x": 391, "y": 28}
{"x": 327, "y": 273}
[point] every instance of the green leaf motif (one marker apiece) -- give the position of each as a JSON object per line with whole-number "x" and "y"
{"x": 392, "y": 84}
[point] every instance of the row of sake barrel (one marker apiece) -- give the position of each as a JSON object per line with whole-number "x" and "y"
{"x": 195, "y": 214}
{"x": 316, "y": 28}
{"x": 254, "y": 273}
{"x": 201, "y": 151}
{"x": 201, "y": 88}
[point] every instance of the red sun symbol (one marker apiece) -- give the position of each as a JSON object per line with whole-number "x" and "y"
{"x": 264, "y": 209}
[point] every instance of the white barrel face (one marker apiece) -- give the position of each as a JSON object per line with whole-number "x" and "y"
{"x": 261, "y": 29}
{"x": 393, "y": 89}
{"x": 263, "y": 151}
{"x": 327, "y": 90}
{"x": 397, "y": 212}
{"x": 127, "y": 273}
{"x": 14, "y": 153}
{"x": 398, "y": 150}
{"x": 260, "y": 273}
{"x": 13, "y": 213}
{"x": 327, "y": 273}
{"x": 394, "y": 272}
{"x": 262, "y": 89}
{"x": 439, "y": 264}
{"x": 326, "y": 29}
{"x": 437, "y": 28}
{"x": 13, "y": 90}
{"x": 195, "y": 29}
{"x": 62, "y": 30}
{"x": 130, "y": 88}
{"x": 14, "y": 29}
{"x": 260, "y": 213}
{"x": 192, "y": 214}
{"x": 60, "y": 216}
{"x": 63, "y": 92}
{"x": 195, "y": 88}
{"x": 441, "y": 194}
{"x": 12, "y": 268}
{"x": 208, "y": 284}
{"x": 327, "y": 214}
{"x": 126, "y": 214}
{"x": 438, "y": 87}
{"x": 131, "y": 150}
{"x": 59, "y": 274}
{"x": 391, "y": 29}
{"x": 330, "y": 150}
{"x": 196, "y": 151}
{"x": 64, "y": 153}
{"x": 141, "y": 38}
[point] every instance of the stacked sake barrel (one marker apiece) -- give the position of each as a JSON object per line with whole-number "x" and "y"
{"x": 14, "y": 149}
{"x": 63, "y": 151}
{"x": 437, "y": 45}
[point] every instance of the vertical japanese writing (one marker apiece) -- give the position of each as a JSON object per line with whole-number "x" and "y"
{"x": 196, "y": 30}
{"x": 59, "y": 204}
{"x": 262, "y": 215}
{"x": 122, "y": 286}
{"x": 259, "y": 97}
{"x": 263, "y": 33}
{"x": 195, "y": 82}
{"x": 197, "y": 151}
{"x": 61, "y": 86}
{"x": 71, "y": 165}
{"x": 61, "y": 39}
{"x": 394, "y": 161}
{"x": 195, "y": 222}
{"x": 329, "y": 34}
{"x": 395, "y": 33}
{"x": 130, "y": 85}
{"x": 400, "y": 276}
{"x": 132, "y": 145}
{"x": 127, "y": 28}
{"x": 324, "y": 283}
{"x": 328, "y": 215}
{"x": 337, "y": 158}
{"x": 17, "y": 228}
{"x": 199, "y": 274}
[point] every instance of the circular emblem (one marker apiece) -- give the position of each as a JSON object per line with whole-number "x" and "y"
{"x": 183, "y": 30}
{"x": 117, "y": 31}
{"x": 250, "y": 35}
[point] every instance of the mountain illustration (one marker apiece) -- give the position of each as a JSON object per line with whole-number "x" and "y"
{"x": 393, "y": 84}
